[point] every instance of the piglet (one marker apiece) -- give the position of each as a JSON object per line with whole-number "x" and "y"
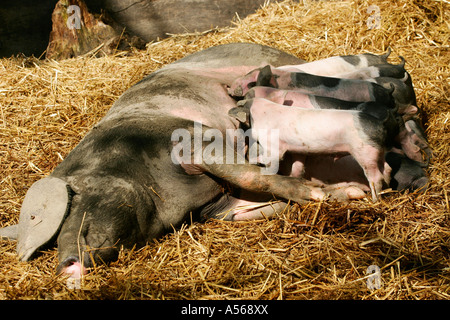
{"x": 343, "y": 89}
{"x": 296, "y": 98}
{"x": 406, "y": 173}
{"x": 340, "y": 64}
{"x": 385, "y": 90}
{"x": 409, "y": 137}
{"x": 380, "y": 70}
{"x": 403, "y": 94}
{"x": 311, "y": 131}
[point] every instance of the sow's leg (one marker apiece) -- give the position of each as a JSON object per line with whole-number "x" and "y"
{"x": 249, "y": 177}
{"x": 251, "y": 205}
{"x": 250, "y": 210}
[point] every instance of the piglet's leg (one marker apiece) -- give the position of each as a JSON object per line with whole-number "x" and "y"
{"x": 372, "y": 161}
{"x": 293, "y": 165}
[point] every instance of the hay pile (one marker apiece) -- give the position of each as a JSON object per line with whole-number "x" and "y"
{"x": 317, "y": 251}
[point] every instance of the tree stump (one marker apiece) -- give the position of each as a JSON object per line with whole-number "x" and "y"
{"x": 75, "y": 31}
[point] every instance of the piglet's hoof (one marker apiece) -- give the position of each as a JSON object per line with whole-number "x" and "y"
{"x": 238, "y": 92}
{"x": 354, "y": 193}
{"x": 344, "y": 194}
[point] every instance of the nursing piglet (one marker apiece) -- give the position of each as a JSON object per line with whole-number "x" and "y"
{"x": 343, "y": 89}
{"x": 339, "y": 64}
{"x": 311, "y": 131}
{"x": 396, "y": 71}
{"x": 295, "y": 98}
{"x": 409, "y": 136}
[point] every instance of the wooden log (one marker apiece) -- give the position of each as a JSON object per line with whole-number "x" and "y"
{"x": 75, "y": 31}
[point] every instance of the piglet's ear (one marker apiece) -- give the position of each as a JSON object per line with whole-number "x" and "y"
{"x": 241, "y": 113}
{"x": 43, "y": 211}
{"x": 265, "y": 77}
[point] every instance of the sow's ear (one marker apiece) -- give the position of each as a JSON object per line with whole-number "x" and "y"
{"x": 44, "y": 208}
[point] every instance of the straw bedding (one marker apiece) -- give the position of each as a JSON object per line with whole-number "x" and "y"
{"x": 315, "y": 251}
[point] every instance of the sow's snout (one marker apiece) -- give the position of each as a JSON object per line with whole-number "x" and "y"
{"x": 71, "y": 266}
